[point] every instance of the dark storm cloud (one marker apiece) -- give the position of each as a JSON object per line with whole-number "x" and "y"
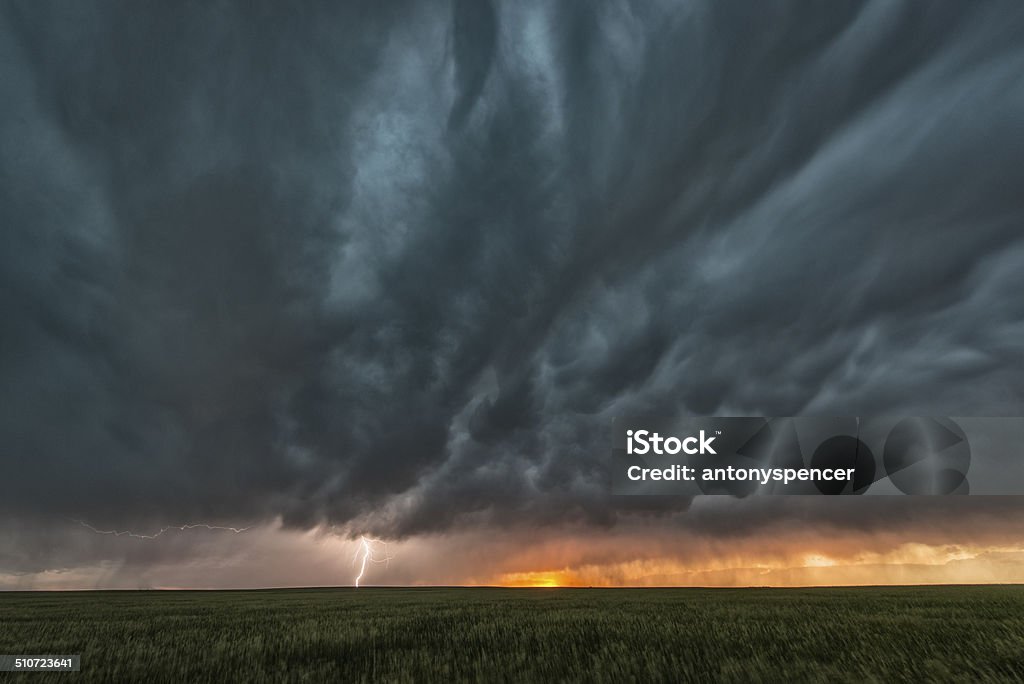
{"x": 401, "y": 266}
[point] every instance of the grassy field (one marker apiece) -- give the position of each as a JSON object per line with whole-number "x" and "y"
{"x": 593, "y": 635}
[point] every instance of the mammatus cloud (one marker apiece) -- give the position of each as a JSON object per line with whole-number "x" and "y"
{"x": 397, "y": 268}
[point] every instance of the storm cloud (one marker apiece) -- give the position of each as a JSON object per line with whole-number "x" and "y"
{"x": 398, "y": 267}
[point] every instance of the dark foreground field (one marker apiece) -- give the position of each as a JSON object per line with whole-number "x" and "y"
{"x": 594, "y": 635}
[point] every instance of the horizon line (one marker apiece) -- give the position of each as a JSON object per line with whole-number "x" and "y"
{"x": 500, "y": 586}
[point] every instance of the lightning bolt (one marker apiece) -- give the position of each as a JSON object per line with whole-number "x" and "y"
{"x": 372, "y": 550}
{"x": 366, "y": 547}
{"x": 135, "y": 535}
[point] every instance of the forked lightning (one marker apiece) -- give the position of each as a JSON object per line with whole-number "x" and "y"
{"x": 366, "y": 547}
{"x": 191, "y": 526}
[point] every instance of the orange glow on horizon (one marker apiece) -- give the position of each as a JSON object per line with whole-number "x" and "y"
{"x": 535, "y": 579}
{"x": 907, "y": 564}
{"x": 978, "y": 553}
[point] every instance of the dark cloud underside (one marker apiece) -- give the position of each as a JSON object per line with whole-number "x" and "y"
{"x": 402, "y": 265}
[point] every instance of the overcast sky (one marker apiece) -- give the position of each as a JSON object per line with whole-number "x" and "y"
{"x": 394, "y": 267}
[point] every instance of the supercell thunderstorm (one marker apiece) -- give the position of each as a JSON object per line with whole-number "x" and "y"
{"x": 396, "y": 268}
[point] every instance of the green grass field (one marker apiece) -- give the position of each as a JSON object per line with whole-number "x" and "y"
{"x": 593, "y": 635}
